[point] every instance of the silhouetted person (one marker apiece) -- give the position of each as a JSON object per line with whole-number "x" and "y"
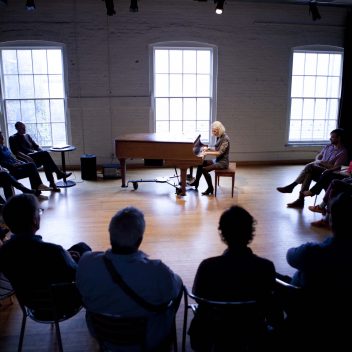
{"x": 20, "y": 169}
{"x": 150, "y": 279}
{"x": 324, "y": 271}
{"x": 236, "y": 275}
{"x": 24, "y": 147}
{"x": 25, "y": 259}
{"x": 330, "y": 159}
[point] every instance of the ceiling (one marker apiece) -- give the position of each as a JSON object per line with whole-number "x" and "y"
{"x": 337, "y": 3}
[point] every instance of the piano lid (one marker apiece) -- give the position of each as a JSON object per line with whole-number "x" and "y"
{"x": 155, "y": 137}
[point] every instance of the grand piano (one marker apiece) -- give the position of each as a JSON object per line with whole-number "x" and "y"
{"x": 176, "y": 151}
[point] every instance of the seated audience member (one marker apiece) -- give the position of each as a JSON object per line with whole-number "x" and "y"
{"x": 150, "y": 279}
{"x": 324, "y": 183}
{"x": 19, "y": 169}
{"x": 7, "y": 181}
{"x": 236, "y": 275}
{"x": 330, "y": 159}
{"x": 323, "y": 271}
{"x": 25, "y": 148}
{"x": 336, "y": 187}
{"x": 25, "y": 259}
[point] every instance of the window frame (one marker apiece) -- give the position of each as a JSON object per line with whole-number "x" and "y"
{"x": 311, "y": 49}
{"x": 176, "y": 45}
{"x": 33, "y": 45}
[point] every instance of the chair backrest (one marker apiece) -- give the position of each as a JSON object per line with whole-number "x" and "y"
{"x": 223, "y": 325}
{"x": 315, "y": 316}
{"x": 49, "y": 305}
{"x": 289, "y": 297}
{"x": 115, "y": 330}
{"x": 58, "y": 302}
{"x": 118, "y": 330}
{"x": 310, "y": 308}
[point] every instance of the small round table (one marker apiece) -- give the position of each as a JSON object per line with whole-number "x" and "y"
{"x": 64, "y": 183}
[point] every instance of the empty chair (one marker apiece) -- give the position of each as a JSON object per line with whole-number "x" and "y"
{"x": 49, "y": 305}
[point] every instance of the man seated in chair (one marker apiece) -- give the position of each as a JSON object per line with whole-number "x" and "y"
{"x": 150, "y": 279}
{"x": 25, "y": 148}
{"x": 25, "y": 259}
{"x": 330, "y": 159}
{"x": 20, "y": 169}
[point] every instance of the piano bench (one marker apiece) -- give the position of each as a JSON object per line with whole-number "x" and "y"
{"x": 230, "y": 172}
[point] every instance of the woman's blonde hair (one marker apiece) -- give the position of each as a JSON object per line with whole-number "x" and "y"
{"x": 219, "y": 126}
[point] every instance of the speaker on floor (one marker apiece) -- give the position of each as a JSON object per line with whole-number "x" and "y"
{"x": 88, "y": 167}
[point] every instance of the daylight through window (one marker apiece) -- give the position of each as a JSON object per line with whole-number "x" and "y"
{"x": 33, "y": 91}
{"x": 183, "y": 90}
{"x": 315, "y": 95}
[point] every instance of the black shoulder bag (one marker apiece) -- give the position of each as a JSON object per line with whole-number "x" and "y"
{"x": 117, "y": 278}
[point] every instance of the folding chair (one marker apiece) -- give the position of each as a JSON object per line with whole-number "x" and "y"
{"x": 49, "y": 305}
{"x": 229, "y": 325}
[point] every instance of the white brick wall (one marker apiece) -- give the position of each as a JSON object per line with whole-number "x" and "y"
{"x": 108, "y": 64}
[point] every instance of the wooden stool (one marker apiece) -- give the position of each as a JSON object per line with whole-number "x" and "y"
{"x": 230, "y": 172}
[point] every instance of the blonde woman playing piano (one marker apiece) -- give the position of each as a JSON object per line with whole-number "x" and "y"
{"x": 220, "y": 152}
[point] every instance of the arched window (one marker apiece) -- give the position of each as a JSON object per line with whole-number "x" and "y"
{"x": 33, "y": 90}
{"x": 315, "y": 93}
{"x": 183, "y": 88}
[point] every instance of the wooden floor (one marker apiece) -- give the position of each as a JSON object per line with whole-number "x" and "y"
{"x": 180, "y": 230}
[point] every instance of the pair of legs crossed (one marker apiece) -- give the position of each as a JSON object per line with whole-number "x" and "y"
{"x": 311, "y": 172}
{"x": 7, "y": 181}
{"x": 43, "y": 158}
{"x": 30, "y": 170}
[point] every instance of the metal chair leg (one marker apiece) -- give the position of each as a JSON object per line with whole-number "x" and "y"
{"x": 58, "y": 335}
{"x": 23, "y": 326}
{"x": 185, "y": 317}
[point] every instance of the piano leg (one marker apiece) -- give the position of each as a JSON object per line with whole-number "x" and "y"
{"x": 123, "y": 172}
{"x": 183, "y": 181}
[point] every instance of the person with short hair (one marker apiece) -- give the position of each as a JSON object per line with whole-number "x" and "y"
{"x": 19, "y": 169}
{"x": 330, "y": 159}
{"x": 24, "y": 147}
{"x": 25, "y": 259}
{"x": 150, "y": 279}
{"x": 220, "y": 152}
{"x": 236, "y": 275}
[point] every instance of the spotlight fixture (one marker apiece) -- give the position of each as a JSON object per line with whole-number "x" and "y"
{"x": 219, "y": 6}
{"x": 30, "y": 5}
{"x": 314, "y": 11}
{"x": 110, "y": 8}
{"x": 134, "y": 6}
